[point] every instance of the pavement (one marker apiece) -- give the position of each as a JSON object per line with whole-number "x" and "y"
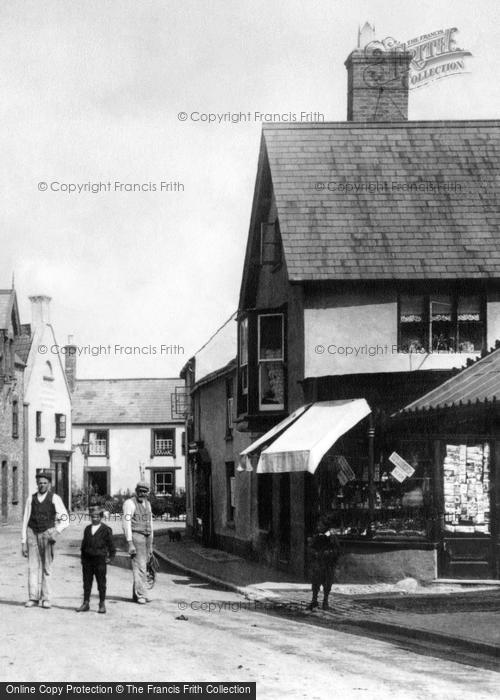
{"x": 454, "y": 615}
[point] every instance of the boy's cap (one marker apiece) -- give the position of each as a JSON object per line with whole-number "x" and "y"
{"x": 142, "y": 486}
{"x": 95, "y": 509}
{"x": 43, "y": 475}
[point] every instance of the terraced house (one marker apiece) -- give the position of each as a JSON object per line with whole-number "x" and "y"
{"x": 13, "y": 474}
{"x": 372, "y": 269}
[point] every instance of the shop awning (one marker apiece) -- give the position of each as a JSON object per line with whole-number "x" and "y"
{"x": 255, "y": 447}
{"x": 301, "y": 446}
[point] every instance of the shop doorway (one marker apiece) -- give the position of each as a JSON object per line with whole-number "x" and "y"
{"x": 467, "y": 548}
{"x": 284, "y": 521}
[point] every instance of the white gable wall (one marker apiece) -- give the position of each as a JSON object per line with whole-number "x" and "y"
{"x": 50, "y": 396}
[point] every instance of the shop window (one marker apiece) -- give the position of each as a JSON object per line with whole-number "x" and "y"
{"x": 15, "y": 419}
{"x": 60, "y": 425}
{"x": 265, "y": 500}
{"x": 38, "y": 420}
{"x": 163, "y": 443}
{"x": 230, "y": 491}
{"x": 401, "y": 505}
{"x": 466, "y": 477}
{"x": 98, "y": 443}
{"x": 271, "y": 362}
{"x": 164, "y": 483}
{"x": 441, "y": 323}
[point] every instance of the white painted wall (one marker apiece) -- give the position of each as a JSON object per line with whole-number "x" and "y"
{"x": 358, "y": 334}
{"x": 49, "y": 397}
{"x": 129, "y": 446}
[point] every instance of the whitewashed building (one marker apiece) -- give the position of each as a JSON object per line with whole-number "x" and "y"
{"x": 130, "y": 430}
{"x": 47, "y": 399}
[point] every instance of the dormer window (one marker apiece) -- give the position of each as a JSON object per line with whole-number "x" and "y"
{"x": 270, "y": 244}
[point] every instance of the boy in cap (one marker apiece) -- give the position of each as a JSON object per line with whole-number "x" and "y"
{"x": 138, "y": 529}
{"x": 323, "y": 552}
{"x": 45, "y": 517}
{"x": 97, "y": 551}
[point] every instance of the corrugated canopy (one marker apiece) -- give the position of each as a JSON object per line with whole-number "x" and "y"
{"x": 309, "y": 435}
{"x": 479, "y": 382}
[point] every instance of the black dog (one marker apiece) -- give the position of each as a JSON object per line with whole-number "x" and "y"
{"x": 174, "y": 535}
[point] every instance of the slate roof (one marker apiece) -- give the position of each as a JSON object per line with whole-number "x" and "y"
{"x": 5, "y": 307}
{"x": 22, "y": 345}
{"x": 387, "y": 234}
{"x": 100, "y": 401}
{"x": 479, "y": 382}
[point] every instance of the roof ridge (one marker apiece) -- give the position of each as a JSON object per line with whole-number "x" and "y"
{"x": 231, "y": 318}
{"x": 128, "y": 379}
{"x": 383, "y": 125}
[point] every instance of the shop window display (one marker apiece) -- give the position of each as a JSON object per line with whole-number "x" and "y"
{"x": 398, "y": 507}
{"x": 466, "y": 476}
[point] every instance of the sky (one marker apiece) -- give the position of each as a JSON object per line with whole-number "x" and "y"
{"x": 91, "y": 93}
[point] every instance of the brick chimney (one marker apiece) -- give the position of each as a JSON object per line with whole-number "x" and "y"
{"x": 70, "y": 363}
{"x": 377, "y": 81}
{"x": 40, "y": 311}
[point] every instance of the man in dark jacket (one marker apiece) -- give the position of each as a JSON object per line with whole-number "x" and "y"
{"x": 97, "y": 550}
{"x": 323, "y": 551}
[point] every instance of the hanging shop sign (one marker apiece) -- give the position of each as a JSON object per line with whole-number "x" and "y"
{"x": 344, "y": 471}
{"x": 402, "y": 470}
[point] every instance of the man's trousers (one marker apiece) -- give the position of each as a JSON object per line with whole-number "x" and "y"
{"x": 40, "y": 559}
{"x": 142, "y": 544}
{"x": 94, "y": 566}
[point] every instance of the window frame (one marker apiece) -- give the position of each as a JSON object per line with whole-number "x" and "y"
{"x": 15, "y": 484}
{"x": 261, "y": 362}
{"x": 229, "y": 408}
{"x": 162, "y": 473}
{"x": 230, "y": 492}
{"x": 427, "y": 321}
{"x": 15, "y": 419}
{"x": 38, "y": 424}
{"x": 105, "y": 432}
{"x": 248, "y": 404}
{"x": 172, "y": 435}
{"x": 270, "y": 239}
{"x": 60, "y": 420}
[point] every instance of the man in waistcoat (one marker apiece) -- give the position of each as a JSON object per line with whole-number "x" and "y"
{"x": 45, "y": 517}
{"x": 138, "y": 529}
